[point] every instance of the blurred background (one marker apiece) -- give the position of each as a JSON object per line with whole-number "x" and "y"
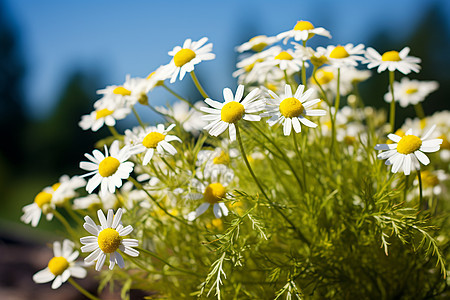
{"x": 54, "y": 55}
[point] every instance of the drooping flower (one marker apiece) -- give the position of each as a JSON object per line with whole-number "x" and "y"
{"x": 303, "y": 31}
{"x": 411, "y": 92}
{"x": 257, "y": 43}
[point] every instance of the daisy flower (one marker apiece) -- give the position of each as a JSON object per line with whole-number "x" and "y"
{"x": 406, "y": 152}
{"x": 411, "y": 92}
{"x": 257, "y": 43}
{"x": 227, "y": 114}
{"x": 284, "y": 59}
{"x": 392, "y": 60}
{"x": 189, "y": 117}
{"x": 433, "y": 182}
{"x": 343, "y": 56}
{"x": 303, "y": 31}
{"x": 61, "y": 266}
{"x": 186, "y": 57}
{"x": 249, "y": 67}
{"x": 108, "y": 169}
{"x": 107, "y": 111}
{"x": 151, "y": 139}
{"x": 292, "y": 109}
{"x": 107, "y": 238}
{"x": 211, "y": 194}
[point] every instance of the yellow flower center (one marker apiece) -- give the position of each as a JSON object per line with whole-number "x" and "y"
{"x": 42, "y": 198}
{"x": 400, "y": 132}
{"x": 429, "y": 179}
{"x": 339, "y": 52}
{"x": 120, "y": 90}
{"x": 108, "y": 166}
{"x": 232, "y": 112}
{"x": 57, "y": 265}
{"x": 318, "y": 61}
{"x": 271, "y": 87}
{"x": 411, "y": 91}
{"x": 324, "y": 77}
{"x": 152, "y": 139}
{"x": 109, "y": 240}
{"x": 283, "y": 55}
{"x": 445, "y": 143}
{"x": 303, "y": 25}
{"x": 214, "y": 193}
{"x": 222, "y": 159}
{"x": 408, "y": 144}
{"x": 349, "y": 140}
{"x": 102, "y": 113}
{"x": 56, "y": 186}
{"x": 183, "y": 57}
{"x": 291, "y": 107}
{"x": 159, "y": 83}
{"x": 391, "y": 56}
{"x": 258, "y": 47}
{"x": 423, "y": 123}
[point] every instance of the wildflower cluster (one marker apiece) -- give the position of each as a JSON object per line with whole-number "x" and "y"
{"x": 292, "y": 201}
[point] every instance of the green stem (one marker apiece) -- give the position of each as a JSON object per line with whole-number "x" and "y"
{"x": 277, "y": 209}
{"x": 198, "y": 85}
{"x": 304, "y": 71}
{"x": 179, "y": 97}
{"x": 154, "y": 255}
{"x": 336, "y": 104}
{"x": 167, "y": 164}
{"x": 81, "y": 289}
{"x": 140, "y": 187}
{"x": 392, "y": 112}
{"x": 405, "y": 192}
{"x": 419, "y": 111}
{"x": 294, "y": 134}
{"x": 138, "y": 118}
{"x": 286, "y": 77}
{"x": 114, "y": 132}
{"x": 421, "y": 204}
{"x": 72, "y": 214}
{"x": 64, "y": 222}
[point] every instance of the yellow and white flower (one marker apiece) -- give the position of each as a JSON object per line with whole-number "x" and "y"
{"x": 227, "y": 114}
{"x": 109, "y": 169}
{"x": 257, "y": 43}
{"x": 107, "y": 238}
{"x": 61, "y": 266}
{"x": 406, "y": 152}
{"x": 107, "y": 111}
{"x": 303, "y": 31}
{"x": 392, "y": 60}
{"x": 151, "y": 139}
{"x": 343, "y": 56}
{"x": 286, "y": 60}
{"x": 186, "y": 57}
{"x": 188, "y": 117}
{"x": 411, "y": 92}
{"x": 290, "y": 110}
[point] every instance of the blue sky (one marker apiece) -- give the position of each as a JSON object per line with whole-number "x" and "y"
{"x": 120, "y": 37}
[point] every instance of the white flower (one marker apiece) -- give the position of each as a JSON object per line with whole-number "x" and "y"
{"x": 107, "y": 239}
{"x": 151, "y": 139}
{"x": 392, "y": 60}
{"x": 107, "y": 111}
{"x": 186, "y": 57}
{"x": 108, "y": 169}
{"x": 249, "y": 69}
{"x": 343, "y": 56}
{"x": 212, "y": 162}
{"x": 292, "y": 109}
{"x": 227, "y": 114}
{"x": 411, "y": 92}
{"x": 94, "y": 201}
{"x": 257, "y": 43}
{"x": 188, "y": 117}
{"x": 284, "y": 59}
{"x": 302, "y": 31}
{"x": 65, "y": 188}
{"x": 407, "y": 151}
{"x": 61, "y": 266}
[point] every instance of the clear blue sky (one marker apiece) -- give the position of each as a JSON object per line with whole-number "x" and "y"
{"x": 120, "y": 37}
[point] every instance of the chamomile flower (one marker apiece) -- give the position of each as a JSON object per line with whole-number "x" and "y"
{"x": 406, "y": 152}
{"x": 227, "y": 114}
{"x": 107, "y": 111}
{"x": 257, "y": 43}
{"x": 433, "y": 182}
{"x": 189, "y": 117}
{"x": 343, "y": 56}
{"x": 303, "y": 31}
{"x": 290, "y": 110}
{"x": 392, "y": 60}
{"x": 283, "y": 59}
{"x": 186, "y": 57}
{"x": 42, "y": 205}
{"x": 213, "y": 193}
{"x": 61, "y": 266}
{"x": 411, "y": 92}
{"x": 109, "y": 169}
{"x": 107, "y": 238}
{"x": 151, "y": 139}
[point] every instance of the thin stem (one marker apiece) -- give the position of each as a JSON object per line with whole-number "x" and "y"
{"x": 198, "y": 85}
{"x": 419, "y": 111}
{"x": 154, "y": 255}
{"x": 304, "y": 71}
{"x": 294, "y": 134}
{"x": 81, "y": 289}
{"x": 405, "y": 191}
{"x": 72, "y": 214}
{"x": 392, "y": 112}
{"x": 336, "y": 104}
{"x": 286, "y": 77}
{"x": 64, "y": 222}
{"x": 167, "y": 164}
{"x": 140, "y": 187}
{"x": 114, "y": 132}
{"x": 179, "y": 97}
{"x": 421, "y": 204}
{"x": 138, "y": 118}
{"x": 277, "y": 209}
